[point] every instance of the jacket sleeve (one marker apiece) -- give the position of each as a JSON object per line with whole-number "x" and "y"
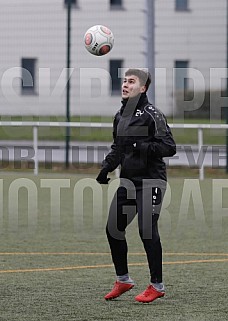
{"x": 163, "y": 144}
{"x": 113, "y": 159}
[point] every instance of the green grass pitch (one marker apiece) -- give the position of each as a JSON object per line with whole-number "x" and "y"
{"x": 55, "y": 262}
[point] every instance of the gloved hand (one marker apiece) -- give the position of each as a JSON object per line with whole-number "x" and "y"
{"x": 102, "y": 177}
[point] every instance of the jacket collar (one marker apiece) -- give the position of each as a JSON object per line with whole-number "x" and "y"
{"x": 129, "y": 105}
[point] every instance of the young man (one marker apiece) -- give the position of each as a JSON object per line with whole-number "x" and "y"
{"x": 141, "y": 139}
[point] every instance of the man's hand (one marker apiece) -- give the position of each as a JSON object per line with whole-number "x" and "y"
{"x": 102, "y": 177}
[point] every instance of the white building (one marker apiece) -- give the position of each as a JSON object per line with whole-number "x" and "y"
{"x": 188, "y": 33}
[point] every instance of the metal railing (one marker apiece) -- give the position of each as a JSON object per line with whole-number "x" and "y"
{"x": 36, "y": 125}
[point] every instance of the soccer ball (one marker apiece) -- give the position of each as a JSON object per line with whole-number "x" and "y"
{"x": 99, "y": 40}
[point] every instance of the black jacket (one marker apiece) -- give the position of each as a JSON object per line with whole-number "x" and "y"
{"x": 141, "y": 139}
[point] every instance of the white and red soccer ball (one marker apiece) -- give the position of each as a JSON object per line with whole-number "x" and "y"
{"x": 99, "y": 40}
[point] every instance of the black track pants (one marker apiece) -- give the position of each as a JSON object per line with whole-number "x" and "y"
{"x": 127, "y": 202}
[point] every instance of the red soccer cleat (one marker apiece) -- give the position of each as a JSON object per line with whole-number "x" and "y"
{"x": 149, "y": 295}
{"x": 118, "y": 289}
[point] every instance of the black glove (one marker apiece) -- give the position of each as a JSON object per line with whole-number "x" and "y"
{"x": 102, "y": 177}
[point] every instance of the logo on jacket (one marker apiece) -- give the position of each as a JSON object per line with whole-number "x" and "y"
{"x": 139, "y": 113}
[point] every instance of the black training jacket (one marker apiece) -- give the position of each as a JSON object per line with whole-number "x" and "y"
{"x": 141, "y": 138}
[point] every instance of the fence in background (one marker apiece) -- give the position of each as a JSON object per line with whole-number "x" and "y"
{"x": 36, "y": 125}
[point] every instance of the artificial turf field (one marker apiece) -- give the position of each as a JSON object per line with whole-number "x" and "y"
{"x": 55, "y": 262}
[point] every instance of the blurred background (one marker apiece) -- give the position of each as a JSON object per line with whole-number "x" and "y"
{"x": 169, "y": 35}
{"x": 183, "y": 43}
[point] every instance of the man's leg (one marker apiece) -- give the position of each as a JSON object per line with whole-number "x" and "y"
{"x": 153, "y": 250}
{"x": 148, "y": 215}
{"x": 121, "y": 213}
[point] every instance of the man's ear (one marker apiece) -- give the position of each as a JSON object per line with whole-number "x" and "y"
{"x": 143, "y": 89}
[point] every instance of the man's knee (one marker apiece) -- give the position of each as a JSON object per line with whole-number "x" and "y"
{"x": 113, "y": 232}
{"x": 148, "y": 228}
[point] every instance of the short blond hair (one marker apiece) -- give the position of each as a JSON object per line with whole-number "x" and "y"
{"x": 143, "y": 75}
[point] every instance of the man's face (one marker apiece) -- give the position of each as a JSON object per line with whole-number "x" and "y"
{"x": 131, "y": 87}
